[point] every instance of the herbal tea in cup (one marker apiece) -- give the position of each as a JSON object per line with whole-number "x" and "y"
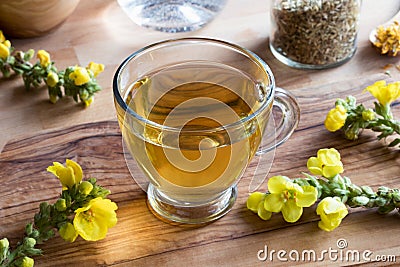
{"x": 193, "y": 113}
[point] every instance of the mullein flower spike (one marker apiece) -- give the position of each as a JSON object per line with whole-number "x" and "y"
{"x": 352, "y": 118}
{"x": 81, "y": 210}
{"x": 77, "y": 82}
{"x": 333, "y": 191}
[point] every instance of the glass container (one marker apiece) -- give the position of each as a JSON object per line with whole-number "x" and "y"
{"x": 314, "y": 34}
{"x": 172, "y": 15}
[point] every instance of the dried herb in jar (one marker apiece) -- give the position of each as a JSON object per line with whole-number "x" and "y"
{"x": 315, "y": 32}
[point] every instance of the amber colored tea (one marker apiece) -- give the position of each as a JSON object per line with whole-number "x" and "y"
{"x": 195, "y": 155}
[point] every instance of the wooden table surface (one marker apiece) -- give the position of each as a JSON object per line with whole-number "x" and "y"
{"x": 34, "y": 133}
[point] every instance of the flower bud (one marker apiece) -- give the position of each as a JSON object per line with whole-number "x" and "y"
{"x": 88, "y": 101}
{"x": 29, "y": 228}
{"x": 352, "y": 133}
{"x": 380, "y": 201}
{"x": 356, "y": 190}
{"x": 4, "y": 244}
{"x": 35, "y": 233}
{"x": 29, "y": 242}
{"x": 351, "y": 100}
{"x": 367, "y": 190}
{"x": 29, "y": 54}
{"x": 360, "y": 200}
{"x": 368, "y": 115}
{"x": 53, "y": 98}
{"x": 52, "y": 79}
{"x": 340, "y": 192}
{"x": 383, "y": 191}
{"x": 396, "y": 196}
{"x": 26, "y": 262}
{"x": 85, "y": 188}
{"x": 61, "y": 204}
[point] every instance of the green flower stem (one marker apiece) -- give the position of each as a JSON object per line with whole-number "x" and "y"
{"x": 385, "y": 199}
{"x": 381, "y": 120}
{"x": 49, "y": 218}
{"x": 35, "y": 75}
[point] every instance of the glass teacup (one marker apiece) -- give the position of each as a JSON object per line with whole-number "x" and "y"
{"x": 193, "y": 113}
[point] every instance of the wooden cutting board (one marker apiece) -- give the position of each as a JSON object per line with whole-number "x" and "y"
{"x": 140, "y": 239}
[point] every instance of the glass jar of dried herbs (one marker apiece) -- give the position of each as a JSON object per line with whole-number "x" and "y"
{"x": 314, "y": 34}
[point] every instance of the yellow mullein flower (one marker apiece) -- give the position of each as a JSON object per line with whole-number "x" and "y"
{"x": 95, "y": 68}
{"x": 52, "y": 79}
{"x": 385, "y": 94}
{"x": 288, "y": 197}
{"x": 68, "y": 175}
{"x": 44, "y": 58}
{"x": 255, "y": 203}
{"x": 327, "y": 163}
{"x": 336, "y": 118}
{"x": 67, "y": 232}
{"x": 4, "y": 51}
{"x": 80, "y": 76}
{"x": 332, "y": 211}
{"x": 92, "y": 221}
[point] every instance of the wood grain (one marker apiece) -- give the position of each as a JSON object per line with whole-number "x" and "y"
{"x": 35, "y": 133}
{"x": 139, "y": 239}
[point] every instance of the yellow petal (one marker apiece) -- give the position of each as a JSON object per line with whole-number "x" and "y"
{"x": 328, "y": 156}
{"x": 4, "y": 51}
{"x": 64, "y": 174}
{"x": 52, "y": 79}
{"x": 325, "y": 227}
{"x": 2, "y": 37}
{"x": 7, "y": 43}
{"x": 331, "y": 171}
{"x": 253, "y": 201}
{"x": 44, "y": 58}
{"x": 68, "y": 233}
{"x": 291, "y": 212}
{"x": 27, "y": 262}
{"x": 95, "y": 68}
{"x": 273, "y": 202}
{"x": 80, "y": 76}
{"x": 277, "y": 184}
{"x": 88, "y": 101}
{"x": 314, "y": 165}
{"x": 332, "y": 211}
{"x": 77, "y": 170}
{"x": 262, "y": 212}
{"x": 307, "y": 197}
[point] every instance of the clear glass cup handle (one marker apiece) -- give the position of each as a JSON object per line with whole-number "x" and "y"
{"x": 285, "y": 123}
